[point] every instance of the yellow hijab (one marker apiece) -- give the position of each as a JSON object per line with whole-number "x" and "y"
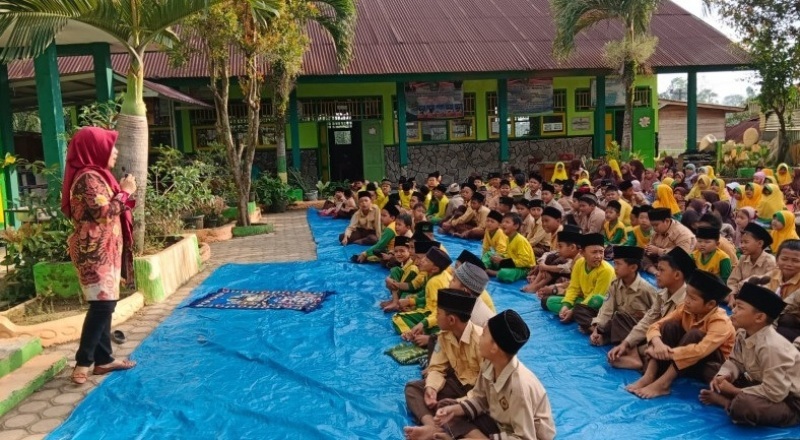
{"x": 750, "y": 201}
{"x": 705, "y": 181}
{"x": 583, "y": 182}
{"x": 768, "y": 172}
{"x": 770, "y": 203}
{"x": 710, "y": 172}
{"x": 559, "y": 172}
{"x": 784, "y": 178}
{"x": 584, "y": 175}
{"x": 789, "y": 232}
{"x": 615, "y": 168}
{"x": 723, "y": 194}
{"x": 668, "y": 181}
{"x": 666, "y": 199}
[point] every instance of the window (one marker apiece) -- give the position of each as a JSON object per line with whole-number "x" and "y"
{"x": 333, "y": 109}
{"x": 583, "y": 100}
{"x": 343, "y": 137}
{"x": 641, "y": 97}
{"x": 559, "y": 100}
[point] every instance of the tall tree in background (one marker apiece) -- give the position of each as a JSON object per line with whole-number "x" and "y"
{"x": 770, "y": 31}
{"x": 627, "y": 56}
{"x": 138, "y": 25}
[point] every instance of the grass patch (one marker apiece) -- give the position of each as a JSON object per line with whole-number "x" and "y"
{"x": 246, "y": 231}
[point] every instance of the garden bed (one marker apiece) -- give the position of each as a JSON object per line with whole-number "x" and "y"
{"x": 159, "y": 275}
{"x": 213, "y": 235}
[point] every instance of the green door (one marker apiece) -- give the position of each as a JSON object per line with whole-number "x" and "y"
{"x": 644, "y": 134}
{"x": 372, "y": 149}
{"x": 323, "y": 152}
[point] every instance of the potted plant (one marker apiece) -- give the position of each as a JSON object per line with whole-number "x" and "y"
{"x": 272, "y": 192}
{"x": 213, "y": 211}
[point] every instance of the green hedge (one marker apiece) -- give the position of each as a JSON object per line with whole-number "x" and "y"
{"x": 246, "y": 231}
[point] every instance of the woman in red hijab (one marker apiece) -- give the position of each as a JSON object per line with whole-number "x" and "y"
{"x": 101, "y": 212}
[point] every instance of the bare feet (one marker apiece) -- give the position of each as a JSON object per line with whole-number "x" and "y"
{"x": 655, "y": 389}
{"x": 384, "y": 303}
{"x": 641, "y": 383}
{"x": 708, "y": 397}
{"x": 630, "y": 361}
{"x": 393, "y": 306}
{"x": 424, "y": 432}
{"x": 529, "y": 288}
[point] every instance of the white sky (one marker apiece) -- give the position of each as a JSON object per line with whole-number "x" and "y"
{"x": 723, "y": 83}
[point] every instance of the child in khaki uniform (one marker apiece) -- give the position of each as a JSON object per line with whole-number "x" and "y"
{"x": 760, "y": 383}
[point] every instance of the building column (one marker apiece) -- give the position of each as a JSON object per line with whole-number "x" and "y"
{"x": 402, "y": 136}
{"x": 10, "y": 179}
{"x": 294, "y": 128}
{"x": 502, "y": 116}
{"x": 599, "y": 139}
{"x": 103, "y": 74}
{"x": 691, "y": 113}
{"x": 51, "y": 109}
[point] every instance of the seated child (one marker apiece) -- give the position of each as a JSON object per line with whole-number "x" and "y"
{"x": 612, "y": 194}
{"x": 404, "y": 273}
{"x": 613, "y": 228}
{"x": 365, "y": 224}
{"x": 760, "y": 383}
{"x": 418, "y": 214}
{"x": 710, "y": 220}
{"x": 470, "y": 277}
{"x": 513, "y": 264}
{"x": 783, "y": 228}
{"x": 447, "y": 226}
{"x": 503, "y": 383}
{"x": 708, "y": 257}
{"x": 494, "y": 240}
{"x": 673, "y": 269}
{"x": 628, "y": 299}
{"x": 537, "y": 236}
{"x": 590, "y": 279}
{"x": 472, "y": 224}
{"x": 554, "y": 274}
{"x": 415, "y": 285}
{"x": 419, "y": 311}
{"x": 453, "y": 368}
{"x": 383, "y": 192}
{"x": 385, "y": 245}
{"x": 755, "y": 261}
{"x": 692, "y": 341}
{"x": 522, "y": 208}
{"x": 437, "y": 208}
{"x": 639, "y": 235}
{"x": 406, "y": 190}
{"x": 349, "y": 206}
{"x": 331, "y": 207}
{"x": 785, "y": 281}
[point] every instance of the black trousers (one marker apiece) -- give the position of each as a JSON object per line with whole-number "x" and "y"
{"x": 95, "y": 345}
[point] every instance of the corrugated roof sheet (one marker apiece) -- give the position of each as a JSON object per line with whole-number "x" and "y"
{"x": 430, "y": 36}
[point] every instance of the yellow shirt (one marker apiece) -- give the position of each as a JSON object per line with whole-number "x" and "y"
{"x": 637, "y": 237}
{"x": 462, "y": 355}
{"x": 381, "y": 198}
{"x": 436, "y": 282}
{"x": 405, "y": 199}
{"x": 585, "y": 283}
{"x": 410, "y": 271}
{"x": 718, "y": 263}
{"x": 520, "y": 250}
{"x": 614, "y": 235}
{"x": 625, "y": 212}
{"x": 441, "y": 209}
{"x": 497, "y": 242}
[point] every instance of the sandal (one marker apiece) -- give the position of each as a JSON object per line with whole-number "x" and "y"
{"x": 78, "y": 377}
{"x": 114, "y": 366}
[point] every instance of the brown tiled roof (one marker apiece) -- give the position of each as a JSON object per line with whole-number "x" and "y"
{"x": 736, "y": 132}
{"x": 455, "y": 36}
{"x": 705, "y": 105}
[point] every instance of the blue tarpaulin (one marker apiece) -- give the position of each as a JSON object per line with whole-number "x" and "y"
{"x": 281, "y": 374}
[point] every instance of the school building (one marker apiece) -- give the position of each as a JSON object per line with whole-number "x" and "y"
{"x": 456, "y": 86}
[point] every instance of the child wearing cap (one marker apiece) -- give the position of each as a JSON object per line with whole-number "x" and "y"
{"x": 553, "y": 275}
{"x": 639, "y": 235}
{"x": 470, "y": 277}
{"x": 760, "y": 383}
{"x": 692, "y": 341}
{"x": 472, "y": 224}
{"x": 513, "y": 264}
{"x": 505, "y": 205}
{"x": 365, "y": 225}
{"x": 669, "y": 234}
{"x": 385, "y": 245}
{"x": 628, "y": 299}
{"x": 494, "y": 240}
{"x": 420, "y": 321}
{"x": 453, "y": 368}
{"x": 564, "y": 196}
{"x": 406, "y": 190}
{"x": 612, "y": 194}
{"x": 404, "y": 273}
{"x": 505, "y": 390}
{"x": 437, "y": 207}
{"x": 590, "y": 279}
{"x": 458, "y": 199}
{"x": 785, "y": 281}
{"x": 708, "y": 257}
{"x": 755, "y": 261}
{"x": 537, "y": 236}
{"x": 549, "y": 197}
{"x": 613, "y": 228}
{"x": 419, "y": 248}
{"x": 673, "y": 269}
{"x": 590, "y": 218}
{"x": 430, "y": 183}
{"x": 467, "y": 191}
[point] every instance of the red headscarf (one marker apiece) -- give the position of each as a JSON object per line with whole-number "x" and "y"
{"x": 90, "y": 149}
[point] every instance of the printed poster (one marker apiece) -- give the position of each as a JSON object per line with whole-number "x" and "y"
{"x": 434, "y": 100}
{"x": 530, "y": 95}
{"x": 615, "y": 93}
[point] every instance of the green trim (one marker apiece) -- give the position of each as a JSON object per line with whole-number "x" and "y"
{"x": 402, "y": 134}
{"x": 177, "y": 116}
{"x": 294, "y": 128}
{"x": 10, "y": 179}
{"x": 691, "y": 113}
{"x": 18, "y": 351}
{"x": 103, "y": 73}
{"x": 24, "y": 390}
{"x": 708, "y": 68}
{"x": 447, "y": 76}
{"x": 502, "y": 115}
{"x": 599, "y": 139}
{"x": 51, "y": 113}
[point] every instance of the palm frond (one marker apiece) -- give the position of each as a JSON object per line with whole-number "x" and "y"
{"x": 30, "y": 26}
{"x": 338, "y": 18}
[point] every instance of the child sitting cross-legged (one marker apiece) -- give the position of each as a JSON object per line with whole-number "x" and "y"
{"x": 385, "y": 245}
{"x": 494, "y": 240}
{"x": 404, "y": 273}
{"x": 553, "y": 275}
{"x": 692, "y": 341}
{"x": 613, "y": 229}
{"x": 755, "y": 261}
{"x": 513, "y": 264}
{"x": 419, "y": 316}
{"x": 707, "y": 256}
{"x": 760, "y": 383}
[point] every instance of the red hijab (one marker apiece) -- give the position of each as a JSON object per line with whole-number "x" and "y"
{"x": 89, "y": 150}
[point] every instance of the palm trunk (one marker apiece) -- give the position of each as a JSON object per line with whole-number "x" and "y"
{"x": 133, "y": 144}
{"x": 280, "y": 132}
{"x": 628, "y": 78}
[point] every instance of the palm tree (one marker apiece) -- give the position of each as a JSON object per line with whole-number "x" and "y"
{"x": 138, "y": 25}
{"x": 627, "y": 56}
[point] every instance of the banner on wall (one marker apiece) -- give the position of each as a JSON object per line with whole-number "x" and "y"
{"x": 434, "y": 100}
{"x": 615, "y": 92}
{"x": 530, "y": 95}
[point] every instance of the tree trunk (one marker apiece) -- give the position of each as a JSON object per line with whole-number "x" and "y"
{"x": 628, "y": 78}
{"x": 280, "y": 133}
{"x": 783, "y": 137}
{"x": 133, "y": 144}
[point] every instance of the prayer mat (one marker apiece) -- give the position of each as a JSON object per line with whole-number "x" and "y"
{"x": 407, "y": 354}
{"x": 264, "y": 299}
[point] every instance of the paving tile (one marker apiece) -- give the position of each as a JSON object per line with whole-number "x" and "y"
{"x": 44, "y": 395}
{"x": 34, "y": 437}
{"x": 12, "y": 434}
{"x": 20, "y": 421}
{"x": 34, "y": 406}
{"x": 68, "y": 398}
{"x": 57, "y": 411}
{"x": 45, "y": 426}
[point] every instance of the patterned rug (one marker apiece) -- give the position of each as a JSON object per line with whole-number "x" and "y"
{"x": 265, "y": 299}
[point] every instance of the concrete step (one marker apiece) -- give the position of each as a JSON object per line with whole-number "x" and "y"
{"x": 15, "y": 352}
{"x": 15, "y": 387}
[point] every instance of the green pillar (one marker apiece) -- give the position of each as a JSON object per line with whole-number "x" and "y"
{"x": 502, "y": 116}
{"x": 294, "y": 128}
{"x": 402, "y": 136}
{"x": 177, "y": 126}
{"x": 103, "y": 75}
{"x": 10, "y": 179}
{"x": 691, "y": 113}
{"x": 51, "y": 111}
{"x": 599, "y": 139}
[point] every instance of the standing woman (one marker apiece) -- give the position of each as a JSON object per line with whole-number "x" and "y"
{"x": 100, "y": 247}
